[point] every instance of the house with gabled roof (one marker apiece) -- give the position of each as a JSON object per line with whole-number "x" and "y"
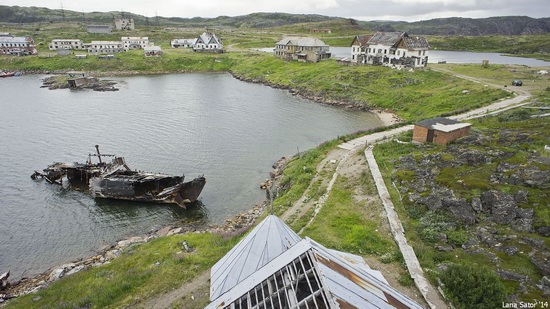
{"x": 391, "y": 48}
{"x": 304, "y": 49}
{"x": 273, "y": 267}
{"x": 208, "y": 42}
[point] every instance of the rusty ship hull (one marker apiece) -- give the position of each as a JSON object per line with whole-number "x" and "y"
{"x": 115, "y": 180}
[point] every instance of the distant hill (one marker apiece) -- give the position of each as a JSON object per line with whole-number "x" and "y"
{"x": 506, "y": 25}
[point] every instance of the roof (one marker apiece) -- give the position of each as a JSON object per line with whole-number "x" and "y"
{"x": 15, "y": 39}
{"x": 393, "y": 39}
{"x": 301, "y": 41}
{"x": 363, "y": 40}
{"x": 266, "y": 241}
{"x": 273, "y": 252}
{"x": 209, "y": 38}
{"x": 386, "y": 38}
{"x": 417, "y": 42}
{"x": 443, "y": 124}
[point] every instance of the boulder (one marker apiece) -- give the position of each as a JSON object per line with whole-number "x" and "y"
{"x": 542, "y": 264}
{"x": 476, "y": 204}
{"x": 501, "y": 205}
{"x": 543, "y": 231}
{"x": 56, "y": 274}
{"x": 460, "y": 209}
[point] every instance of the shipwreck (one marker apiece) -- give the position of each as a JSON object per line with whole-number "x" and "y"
{"x": 115, "y": 180}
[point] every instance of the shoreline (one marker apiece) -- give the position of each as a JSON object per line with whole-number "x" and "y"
{"x": 387, "y": 118}
{"x": 234, "y": 225}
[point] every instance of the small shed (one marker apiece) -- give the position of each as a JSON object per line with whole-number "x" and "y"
{"x": 439, "y": 130}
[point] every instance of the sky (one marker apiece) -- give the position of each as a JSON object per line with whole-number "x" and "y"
{"x": 366, "y": 10}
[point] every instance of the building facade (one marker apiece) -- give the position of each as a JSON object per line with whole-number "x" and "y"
{"x": 124, "y": 24}
{"x": 302, "y": 49}
{"x": 183, "y": 43}
{"x": 66, "y": 44}
{"x": 391, "y": 48}
{"x": 17, "y": 46}
{"x": 439, "y": 130}
{"x": 130, "y": 43}
{"x": 208, "y": 42}
{"x": 105, "y": 29}
{"x": 104, "y": 47}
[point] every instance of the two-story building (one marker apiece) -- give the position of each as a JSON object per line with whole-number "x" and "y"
{"x": 391, "y": 48}
{"x": 304, "y": 49}
{"x": 104, "y": 47}
{"x": 130, "y": 43}
{"x": 17, "y": 45}
{"x": 66, "y": 44}
{"x": 208, "y": 42}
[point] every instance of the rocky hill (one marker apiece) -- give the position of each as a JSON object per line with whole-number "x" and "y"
{"x": 504, "y": 25}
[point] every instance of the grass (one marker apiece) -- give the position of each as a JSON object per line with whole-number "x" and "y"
{"x": 133, "y": 276}
{"x": 345, "y": 225}
{"x": 518, "y": 141}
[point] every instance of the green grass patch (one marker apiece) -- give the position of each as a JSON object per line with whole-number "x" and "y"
{"x": 133, "y": 275}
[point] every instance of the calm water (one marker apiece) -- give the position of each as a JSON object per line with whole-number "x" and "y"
{"x": 211, "y": 124}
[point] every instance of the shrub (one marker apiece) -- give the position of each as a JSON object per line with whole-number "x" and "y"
{"x": 469, "y": 286}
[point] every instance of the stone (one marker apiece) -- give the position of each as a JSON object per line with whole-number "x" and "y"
{"x": 476, "y": 204}
{"x": 163, "y": 231}
{"x": 521, "y": 197}
{"x": 509, "y": 250}
{"x": 510, "y": 275}
{"x": 56, "y": 274}
{"x": 174, "y": 231}
{"x": 460, "y": 209}
{"x": 75, "y": 270}
{"x": 130, "y": 241}
{"x": 446, "y": 248}
{"x": 501, "y": 205}
{"x": 542, "y": 264}
{"x": 543, "y": 231}
{"x": 109, "y": 255}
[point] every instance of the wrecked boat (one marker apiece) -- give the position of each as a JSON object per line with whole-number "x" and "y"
{"x": 115, "y": 180}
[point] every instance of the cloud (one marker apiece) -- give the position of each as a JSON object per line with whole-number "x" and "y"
{"x": 408, "y": 10}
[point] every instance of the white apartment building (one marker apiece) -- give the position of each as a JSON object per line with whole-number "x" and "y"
{"x": 130, "y": 43}
{"x": 66, "y": 44}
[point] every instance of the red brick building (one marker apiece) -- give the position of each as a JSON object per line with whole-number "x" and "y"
{"x": 439, "y": 130}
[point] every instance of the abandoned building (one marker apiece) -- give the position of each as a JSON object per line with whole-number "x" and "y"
{"x": 390, "y": 48}
{"x": 152, "y": 51}
{"x": 273, "y": 267}
{"x": 105, "y": 29}
{"x": 104, "y": 47}
{"x": 17, "y": 45}
{"x": 439, "y": 130}
{"x": 208, "y": 42}
{"x": 66, "y": 44}
{"x": 183, "y": 43}
{"x": 303, "y": 49}
{"x": 131, "y": 43}
{"x": 124, "y": 24}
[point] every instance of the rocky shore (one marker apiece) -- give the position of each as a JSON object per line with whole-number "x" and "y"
{"x": 388, "y": 118}
{"x": 236, "y": 225}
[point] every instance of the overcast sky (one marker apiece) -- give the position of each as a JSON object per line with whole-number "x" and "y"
{"x": 407, "y": 10}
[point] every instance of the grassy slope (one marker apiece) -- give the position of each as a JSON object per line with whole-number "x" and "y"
{"x": 423, "y": 226}
{"x": 134, "y": 276}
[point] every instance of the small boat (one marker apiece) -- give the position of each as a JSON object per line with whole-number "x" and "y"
{"x": 115, "y": 180}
